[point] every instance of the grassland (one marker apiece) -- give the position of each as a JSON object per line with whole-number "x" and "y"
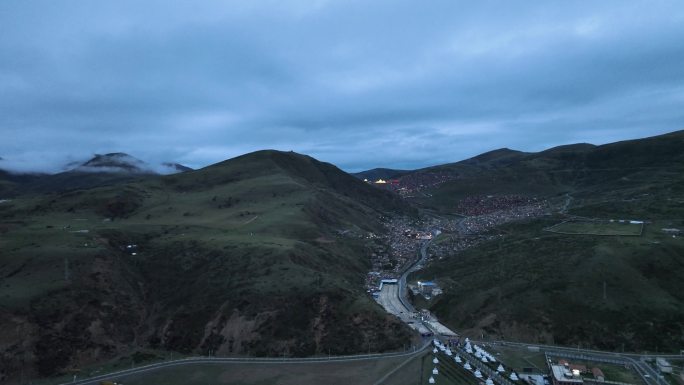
{"x": 616, "y": 372}
{"x": 642, "y": 178}
{"x": 536, "y": 286}
{"x": 604, "y": 227}
{"x": 241, "y": 258}
{"x": 609, "y": 292}
{"x": 333, "y": 373}
{"x": 518, "y": 359}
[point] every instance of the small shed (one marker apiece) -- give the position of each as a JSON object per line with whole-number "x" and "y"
{"x": 598, "y": 374}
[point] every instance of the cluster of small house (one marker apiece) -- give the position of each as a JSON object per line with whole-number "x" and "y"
{"x": 427, "y": 289}
{"x": 565, "y": 373}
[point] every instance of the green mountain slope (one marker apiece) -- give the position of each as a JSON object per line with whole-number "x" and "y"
{"x": 264, "y": 254}
{"x": 605, "y": 291}
{"x": 380, "y": 173}
{"x": 11, "y": 184}
{"x": 535, "y": 286}
{"x": 590, "y": 172}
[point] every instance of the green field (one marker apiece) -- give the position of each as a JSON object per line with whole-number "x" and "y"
{"x": 395, "y": 371}
{"x": 597, "y": 228}
{"x": 333, "y": 373}
{"x": 519, "y": 358}
{"x": 617, "y": 373}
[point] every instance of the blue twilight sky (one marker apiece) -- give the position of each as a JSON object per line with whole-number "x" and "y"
{"x": 361, "y": 84}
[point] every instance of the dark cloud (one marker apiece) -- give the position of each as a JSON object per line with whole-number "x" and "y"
{"x": 381, "y": 84}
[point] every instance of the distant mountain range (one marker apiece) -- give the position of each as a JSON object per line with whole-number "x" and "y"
{"x": 266, "y": 254}
{"x": 578, "y": 167}
{"x": 119, "y": 162}
{"x": 530, "y": 284}
{"x": 380, "y": 173}
{"x": 101, "y": 169}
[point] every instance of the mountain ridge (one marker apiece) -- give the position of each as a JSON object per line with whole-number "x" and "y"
{"x": 528, "y": 282}
{"x": 263, "y": 254}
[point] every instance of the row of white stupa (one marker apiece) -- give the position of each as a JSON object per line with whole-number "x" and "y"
{"x": 483, "y": 355}
{"x": 480, "y": 353}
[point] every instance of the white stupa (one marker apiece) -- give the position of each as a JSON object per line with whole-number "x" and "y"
{"x": 449, "y": 353}
{"x": 457, "y": 358}
{"x": 484, "y": 359}
{"x": 500, "y": 369}
{"x": 467, "y": 366}
{"x": 478, "y": 374}
{"x": 434, "y": 350}
{"x": 435, "y": 371}
{"x": 489, "y": 381}
{"x": 431, "y": 380}
{"x": 467, "y": 340}
{"x": 513, "y": 376}
{"x": 435, "y": 361}
{"x": 442, "y": 348}
{"x": 478, "y": 354}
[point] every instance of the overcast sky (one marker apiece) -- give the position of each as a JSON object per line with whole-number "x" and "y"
{"x": 361, "y": 84}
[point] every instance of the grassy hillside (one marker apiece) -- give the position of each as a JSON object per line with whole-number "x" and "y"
{"x": 380, "y": 173}
{"x": 623, "y": 170}
{"x": 10, "y": 183}
{"x": 244, "y": 257}
{"x": 536, "y": 285}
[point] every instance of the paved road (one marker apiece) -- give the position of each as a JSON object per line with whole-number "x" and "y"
{"x": 402, "y": 292}
{"x": 118, "y": 376}
{"x": 389, "y": 299}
